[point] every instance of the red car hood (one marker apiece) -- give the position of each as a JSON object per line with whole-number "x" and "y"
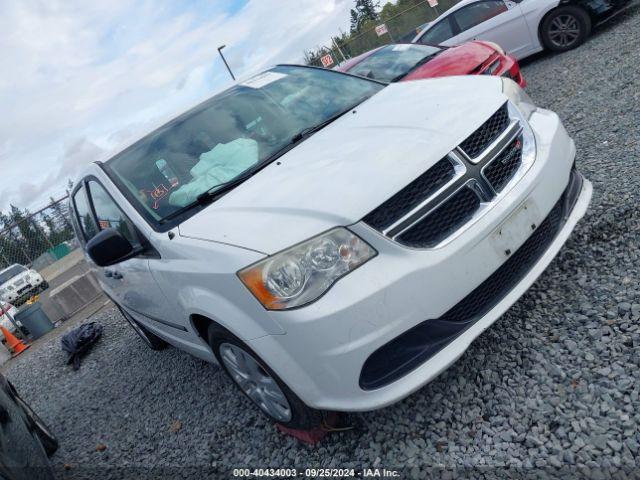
{"x": 459, "y": 60}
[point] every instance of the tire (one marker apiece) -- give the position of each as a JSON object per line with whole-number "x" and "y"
{"x": 300, "y": 416}
{"x": 44, "y": 285}
{"x": 45, "y": 435}
{"x": 565, "y": 28}
{"x": 152, "y": 341}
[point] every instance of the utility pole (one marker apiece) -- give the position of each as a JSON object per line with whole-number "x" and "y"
{"x": 344, "y": 59}
{"x": 225, "y": 61}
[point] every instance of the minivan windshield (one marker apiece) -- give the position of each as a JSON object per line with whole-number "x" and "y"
{"x": 11, "y": 272}
{"x": 229, "y": 135}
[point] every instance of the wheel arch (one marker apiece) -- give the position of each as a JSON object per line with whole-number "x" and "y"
{"x": 200, "y": 324}
{"x": 564, "y": 3}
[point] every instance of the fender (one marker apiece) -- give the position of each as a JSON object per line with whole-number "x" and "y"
{"x": 198, "y": 301}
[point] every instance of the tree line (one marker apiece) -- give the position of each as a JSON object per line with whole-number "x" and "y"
{"x": 24, "y": 237}
{"x": 364, "y": 17}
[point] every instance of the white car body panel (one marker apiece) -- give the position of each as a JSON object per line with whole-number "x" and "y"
{"x": 515, "y": 30}
{"x": 334, "y": 178}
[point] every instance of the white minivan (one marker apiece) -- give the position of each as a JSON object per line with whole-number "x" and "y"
{"x": 334, "y": 243}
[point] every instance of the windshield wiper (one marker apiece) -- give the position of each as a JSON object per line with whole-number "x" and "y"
{"x": 218, "y": 190}
{"x": 211, "y": 194}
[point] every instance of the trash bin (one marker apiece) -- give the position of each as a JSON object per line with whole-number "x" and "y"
{"x": 34, "y": 318}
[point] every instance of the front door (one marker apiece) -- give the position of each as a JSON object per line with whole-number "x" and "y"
{"x": 129, "y": 283}
{"x": 497, "y": 21}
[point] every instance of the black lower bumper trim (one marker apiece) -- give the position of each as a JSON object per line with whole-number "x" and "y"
{"x": 415, "y": 346}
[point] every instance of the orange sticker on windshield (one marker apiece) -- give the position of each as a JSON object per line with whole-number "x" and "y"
{"x": 158, "y": 194}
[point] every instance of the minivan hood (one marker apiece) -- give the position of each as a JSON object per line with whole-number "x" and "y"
{"x": 350, "y": 167}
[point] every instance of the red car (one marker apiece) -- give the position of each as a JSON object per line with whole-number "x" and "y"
{"x": 405, "y": 61}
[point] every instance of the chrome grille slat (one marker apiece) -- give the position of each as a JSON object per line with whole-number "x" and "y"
{"x": 412, "y": 196}
{"x": 483, "y": 174}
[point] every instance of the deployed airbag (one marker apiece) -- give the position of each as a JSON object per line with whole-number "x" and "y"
{"x": 224, "y": 162}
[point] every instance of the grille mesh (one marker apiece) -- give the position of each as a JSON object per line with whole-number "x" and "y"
{"x": 479, "y": 140}
{"x": 481, "y": 300}
{"x": 443, "y": 221}
{"x": 410, "y": 196}
{"x": 502, "y": 169}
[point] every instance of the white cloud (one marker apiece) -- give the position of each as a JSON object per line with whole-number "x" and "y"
{"x": 81, "y": 79}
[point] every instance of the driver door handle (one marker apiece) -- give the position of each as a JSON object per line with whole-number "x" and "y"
{"x": 113, "y": 274}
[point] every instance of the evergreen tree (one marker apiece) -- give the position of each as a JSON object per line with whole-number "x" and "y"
{"x": 32, "y": 240}
{"x": 61, "y": 218}
{"x": 363, "y": 12}
{"x": 354, "y": 21}
{"x": 367, "y": 9}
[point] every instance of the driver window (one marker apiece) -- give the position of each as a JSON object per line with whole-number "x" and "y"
{"x": 476, "y": 13}
{"x": 109, "y": 214}
{"x": 441, "y": 32}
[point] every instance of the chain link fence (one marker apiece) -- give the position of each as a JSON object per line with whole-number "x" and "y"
{"x": 36, "y": 239}
{"x": 402, "y": 27}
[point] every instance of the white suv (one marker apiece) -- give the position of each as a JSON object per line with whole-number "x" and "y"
{"x": 333, "y": 242}
{"x": 17, "y": 283}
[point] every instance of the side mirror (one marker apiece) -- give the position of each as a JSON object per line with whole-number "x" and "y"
{"x": 109, "y": 247}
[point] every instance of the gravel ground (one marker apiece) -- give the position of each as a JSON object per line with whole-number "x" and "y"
{"x": 553, "y": 384}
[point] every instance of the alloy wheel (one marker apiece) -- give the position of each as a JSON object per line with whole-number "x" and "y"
{"x": 255, "y": 382}
{"x": 564, "y": 30}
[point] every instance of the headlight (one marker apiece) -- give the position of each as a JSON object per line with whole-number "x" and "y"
{"x": 302, "y": 274}
{"x": 518, "y": 97}
{"x": 495, "y": 46}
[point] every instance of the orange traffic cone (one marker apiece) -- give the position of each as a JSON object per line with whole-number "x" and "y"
{"x": 13, "y": 343}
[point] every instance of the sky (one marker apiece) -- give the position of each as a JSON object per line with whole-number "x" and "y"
{"x": 83, "y": 79}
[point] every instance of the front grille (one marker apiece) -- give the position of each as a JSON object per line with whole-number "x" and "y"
{"x": 479, "y": 140}
{"x": 504, "y": 166}
{"x": 415, "y": 346}
{"x": 439, "y": 202}
{"x": 443, "y": 221}
{"x": 410, "y": 196}
{"x": 24, "y": 289}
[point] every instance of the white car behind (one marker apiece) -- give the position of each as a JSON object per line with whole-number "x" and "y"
{"x": 521, "y": 27}
{"x": 17, "y": 283}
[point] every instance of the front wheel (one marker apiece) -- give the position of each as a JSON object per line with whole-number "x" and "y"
{"x": 259, "y": 383}
{"x": 565, "y": 28}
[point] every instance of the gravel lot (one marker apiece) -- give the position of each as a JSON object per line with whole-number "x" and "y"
{"x": 552, "y": 384}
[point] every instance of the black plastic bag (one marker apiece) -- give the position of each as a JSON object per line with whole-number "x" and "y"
{"x": 78, "y": 341}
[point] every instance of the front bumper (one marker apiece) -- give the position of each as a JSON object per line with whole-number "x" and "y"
{"x": 327, "y": 344}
